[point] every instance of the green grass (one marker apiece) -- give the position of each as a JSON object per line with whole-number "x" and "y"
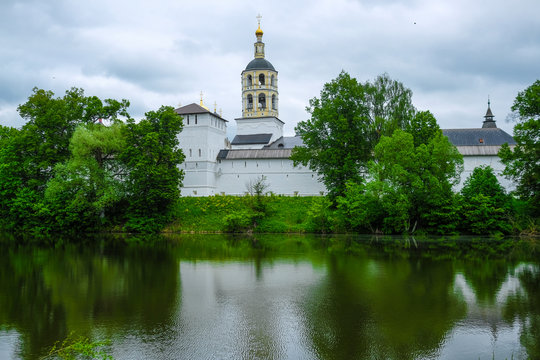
{"x": 285, "y": 214}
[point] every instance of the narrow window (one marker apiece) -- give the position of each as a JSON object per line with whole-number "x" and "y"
{"x": 261, "y": 79}
{"x": 199, "y": 152}
{"x": 262, "y": 101}
{"x": 195, "y": 119}
{"x": 250, "y": 101}
{"x": 188, "y": 119}
{"x": 249, "y": 80}
{"x": 274, "y": 102}
{"x": 273, "y": 80}
{"x": 190, "y": 153}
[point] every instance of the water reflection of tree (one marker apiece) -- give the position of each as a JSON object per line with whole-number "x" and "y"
{"x": 26, "y": 303}
{"x": 402, "y": 308}
{"x": 485, "y": 276}
{"x": 54, "y": 292}
{"x": 525, "y": 307}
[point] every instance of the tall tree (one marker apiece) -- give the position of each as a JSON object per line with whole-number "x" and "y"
{"x": 522, "y": 163}
{"x": 345, "y": 125}
{"x": 50, "y": 123}
{"x": 152, "y": 158}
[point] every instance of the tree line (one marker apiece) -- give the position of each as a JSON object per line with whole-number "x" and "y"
{"x": 388, "y": 167}
{"x": 63, "y": 170}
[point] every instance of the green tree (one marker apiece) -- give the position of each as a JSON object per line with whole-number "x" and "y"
{"x": 406, "y": 184}
{"x": 485, "y": 205}
{"x": 152, "y": 157}
{"x": 423, "y": 127}
{"x": 90, "y": 184}
{"x": 345, "y": 125}
{"x": 522, "y": 163}
{"x": 483, "y": 181}
{"x": 50, "y": 123}
{"x": 29, "y": 156}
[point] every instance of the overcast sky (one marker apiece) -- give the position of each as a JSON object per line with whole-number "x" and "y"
{"x": 451, "y": 54}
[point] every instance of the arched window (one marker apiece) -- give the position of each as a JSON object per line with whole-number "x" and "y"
{"x": 250, "y": 101}
{"x": 273, "y": 80}
{"x": 261, "y": 79}
{"x": 249, "y": 80}
{"x": 199, "y": 152}
{"x": 262, "y": 101}
{"x": 274, "y": 102}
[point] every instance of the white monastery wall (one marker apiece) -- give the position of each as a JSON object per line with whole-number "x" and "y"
{"x": 281, "y": 176}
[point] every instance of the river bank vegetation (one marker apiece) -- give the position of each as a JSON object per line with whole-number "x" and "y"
{"x": 65, "y": 171}
{"x": 81, "y": 164}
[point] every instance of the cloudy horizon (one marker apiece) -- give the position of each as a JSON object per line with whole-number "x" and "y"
{"x": 452, "y": 55}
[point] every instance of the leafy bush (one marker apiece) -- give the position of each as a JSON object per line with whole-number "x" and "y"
{"x": 239, "y": 221}
{"x": 320, "y": 216}
{"x": 485, "y": 205}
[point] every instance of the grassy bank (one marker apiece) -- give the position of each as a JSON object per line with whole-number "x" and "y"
{"x": 283, "y": 214}
{"x": 286, "y": 214}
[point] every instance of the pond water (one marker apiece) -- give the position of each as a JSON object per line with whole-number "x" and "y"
{"x": 273, "y": 297}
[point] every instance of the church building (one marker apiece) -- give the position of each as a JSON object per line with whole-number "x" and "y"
{"x": 215, "y": 165}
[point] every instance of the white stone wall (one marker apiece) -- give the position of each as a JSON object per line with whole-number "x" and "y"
{"x": 281, "y": 176}
{"x": 205, "y": 175}
{"x": 231, "y": 177}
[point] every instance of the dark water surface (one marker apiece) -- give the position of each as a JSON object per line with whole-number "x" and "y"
{"x": 274, "y": 297}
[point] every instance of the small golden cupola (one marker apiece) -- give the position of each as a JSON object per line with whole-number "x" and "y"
{"x": 259, "y": 83}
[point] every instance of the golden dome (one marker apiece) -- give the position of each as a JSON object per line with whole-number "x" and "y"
{"x": 259, "y": 32}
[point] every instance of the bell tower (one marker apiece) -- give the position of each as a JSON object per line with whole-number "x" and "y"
{"x": 259, "y": 124}
{"x": 259, "y": 83}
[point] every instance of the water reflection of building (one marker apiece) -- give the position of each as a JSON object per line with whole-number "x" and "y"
{"x": 215, "y": 165}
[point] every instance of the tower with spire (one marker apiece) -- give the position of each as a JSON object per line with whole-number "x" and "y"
{"x": 488, "y": 118}
{"x": 259, "y": 83}
{"x": 260, "y": 96}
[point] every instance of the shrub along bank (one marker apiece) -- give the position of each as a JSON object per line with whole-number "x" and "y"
{"x": 282, "y": 214}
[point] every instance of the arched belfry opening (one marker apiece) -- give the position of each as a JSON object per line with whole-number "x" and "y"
{"x": 261, "y": 79}
{"x": 262, "y": 101}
